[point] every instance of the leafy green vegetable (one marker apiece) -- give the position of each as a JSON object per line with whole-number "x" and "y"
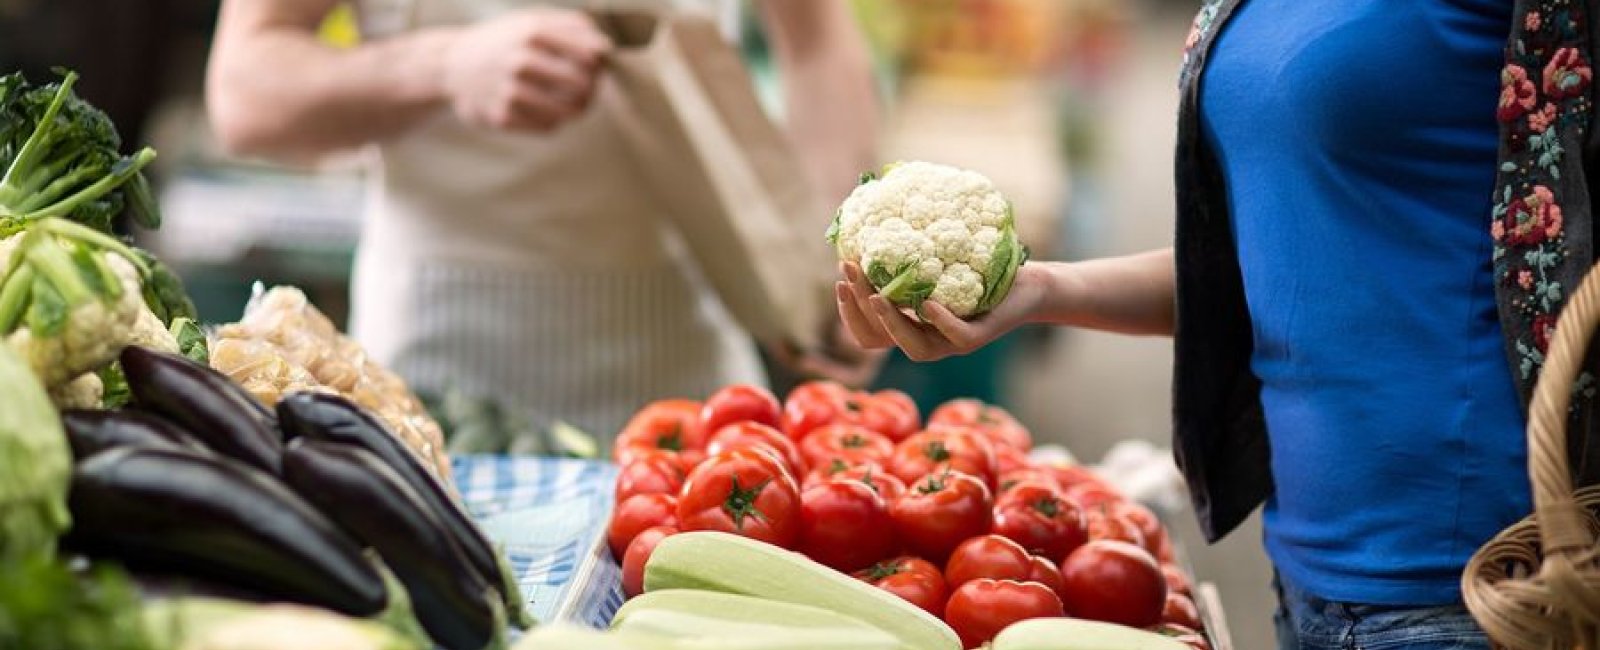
{"x": 164, "y": 292}
{"x": 61, "y": 158}
{"x": 191, "y": 340}
{"x": 45, "y": 605}
{"x": 117, "y": 392}
{"x": 35, "y": 468}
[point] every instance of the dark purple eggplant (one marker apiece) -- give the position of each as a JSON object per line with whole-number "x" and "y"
{"x": 205, "y": 403}
{"x": 214, "y": 518}
{"x": 91, "y": 432}
{"x": 320, "y": 416}
{"x": 454, "y": 603}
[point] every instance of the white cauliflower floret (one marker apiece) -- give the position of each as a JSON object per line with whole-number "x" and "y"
{"x": 148, "y": 332}
{"x": 959, "y": 290}
{"x": 894, "y": 244}
{"x": 926, "y": 231}
{"x": 85, "y": 392}
{"x": 952, "y": 239}
{"x": 982, "y": 250}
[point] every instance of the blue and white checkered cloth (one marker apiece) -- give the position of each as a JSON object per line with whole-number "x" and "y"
{"x": 550, "y": 514}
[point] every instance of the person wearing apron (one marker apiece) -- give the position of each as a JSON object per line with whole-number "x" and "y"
{"x": 509, "y": 250}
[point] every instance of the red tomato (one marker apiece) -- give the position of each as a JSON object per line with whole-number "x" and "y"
{"x": 939, "y": 512}
{"x": 666, "y": 425}
{"x": 1146, "y": 521}
{"x": 837, "y": 469}
{"x": 811, "y": 405}
{"x": 691, "y": 458}
{"x": 987, "y": 556}
{"x": 911, "y": 578}
{"x": 889, "y": 412}
{"x": 979, "y": 609}
{"x": 1104, "y": 525}
{"x": 1010, "y": 459}
{"x": 1092, "y": 496}
{"x": 845, "y": 524}
{"x": 650, "y": 472}
{"x": 1181, "y": 610}
{"x": 1040, "y": 520}
{"x": 945, "y": 448}
{"x": 869, "y": 474}
{"x": 1069, "y": 474}
{"x": 849, "y": 443}
{"x": 993, "y": 422}
{"x": 1177, "y": 581}
{"x": 744, "y": 435}
{"x": 638, "y": 553}
{"x": 1115, "y": 582}
{"x": 739, "y": 403}
{"x": 1046, "y": 573}
{"x": 746, "y": 492}
{"x": 639, "y": 512}
{"x": 814, "y": 404}
{"x": 1028, "y": 475}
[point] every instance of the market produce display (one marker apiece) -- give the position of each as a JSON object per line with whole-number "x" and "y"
{"x": 268, "y": 486}
{"x": 916, "y": 530}
{"x": 923, "y": 231}
{"x": 137, "y": 477}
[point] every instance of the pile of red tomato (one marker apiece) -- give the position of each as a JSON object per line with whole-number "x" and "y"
{"x": 952, "y": 517}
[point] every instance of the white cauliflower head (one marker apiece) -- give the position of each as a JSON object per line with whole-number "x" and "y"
{"x": 924, "y": 231}
{"x": 69, "y": 299}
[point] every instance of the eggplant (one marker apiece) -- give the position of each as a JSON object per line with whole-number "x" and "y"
{"x": 206, "y": 403}
{"x": 321, "y": 416}
{"x": 91, "y": 432}
{"x": 455, "y": 604}
{"x": 210, "y": 517}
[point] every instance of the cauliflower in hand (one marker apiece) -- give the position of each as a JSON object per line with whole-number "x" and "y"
{"x": 924, "y": 231}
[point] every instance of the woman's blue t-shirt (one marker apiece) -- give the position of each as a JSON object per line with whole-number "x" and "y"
{"x": 1358, "y": 139}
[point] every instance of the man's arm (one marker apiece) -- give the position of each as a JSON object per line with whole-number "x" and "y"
{"x": 273, "y": 89}
{"x": 831, "y": 102}
{"x": 832, "y": 117}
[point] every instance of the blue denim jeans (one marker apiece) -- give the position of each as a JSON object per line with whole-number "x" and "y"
{"x": 1306, "y": 622}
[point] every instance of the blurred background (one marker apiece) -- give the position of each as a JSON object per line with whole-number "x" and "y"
{"x": 1068, "y": 105}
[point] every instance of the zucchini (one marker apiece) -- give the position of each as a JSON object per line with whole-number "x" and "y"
{"x": 736, "y": 609}
{"x": 728, "y": 563}
{"x": 1076, "y": 634}
{"x": 697, "y": 631}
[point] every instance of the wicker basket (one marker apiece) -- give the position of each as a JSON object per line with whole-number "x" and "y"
{"x": 1536, "y": 585}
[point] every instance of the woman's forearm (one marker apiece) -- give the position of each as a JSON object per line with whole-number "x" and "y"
{"x": 274, "y": 90}
{"x": 1133, "y": 294}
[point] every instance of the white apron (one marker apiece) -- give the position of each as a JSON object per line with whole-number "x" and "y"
{"x": 531, "y": 268}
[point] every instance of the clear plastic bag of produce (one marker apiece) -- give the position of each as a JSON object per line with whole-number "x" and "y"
{"x": 284, "y": 344}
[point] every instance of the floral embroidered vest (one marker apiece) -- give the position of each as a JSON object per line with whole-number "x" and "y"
{"x": 1541, "y": 225}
